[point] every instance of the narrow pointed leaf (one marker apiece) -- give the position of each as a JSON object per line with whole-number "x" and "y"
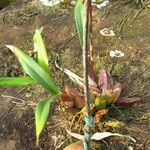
{"x": 39, "y": 47}
{"x": 33, "y": 69}
{"x": 41, "y": 30}
{"x": 102, "y": 135}
{"x": 79, "y": 14}
{"x": 41, "y": 115}
{"x": 76, "y": 135}
{"x": 15, "y": 81}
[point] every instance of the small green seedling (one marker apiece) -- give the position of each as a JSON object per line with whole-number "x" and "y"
{"x": 38, "y": 73}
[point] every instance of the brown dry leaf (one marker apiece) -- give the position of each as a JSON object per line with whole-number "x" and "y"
{"x": 72, "y": 91}
{"x": 67, "y": 100}
{"x": 79, "y": 102}
{"x": 99, "y": 114}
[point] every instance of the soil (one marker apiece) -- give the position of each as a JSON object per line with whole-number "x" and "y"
{"x": 17, "y": 25}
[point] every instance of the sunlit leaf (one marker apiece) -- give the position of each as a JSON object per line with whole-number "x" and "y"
{"x": 76, "y": 135}
{"x": 33, "y": 69}
{"x": 103, "y": 135}
{"x": 100, "y": 102}
{"x": 15, "y": 81}
{"x": 100, "y": 136}
{"x": 39, "y": 47}
{"x": 41, "y": 30}
{"x": 79, "y": 14}
{"x": 41, "y": 115}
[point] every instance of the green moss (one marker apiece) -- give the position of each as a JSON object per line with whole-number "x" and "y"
{"x": 119, "y": 70}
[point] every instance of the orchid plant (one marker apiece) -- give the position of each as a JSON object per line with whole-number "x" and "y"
{"x": 38, "y": 73}
{"x": 103, "y": 88}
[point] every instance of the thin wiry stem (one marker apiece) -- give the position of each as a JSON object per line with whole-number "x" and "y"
{"x": 85, "y": 67}
{"x": 85, "y": 56}
{"x": 91, "y": 35}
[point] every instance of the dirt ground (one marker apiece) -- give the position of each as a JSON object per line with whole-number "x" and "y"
{"x": 17, "y": 25}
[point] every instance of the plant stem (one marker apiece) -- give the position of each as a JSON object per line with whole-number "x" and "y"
{"x": 85, "y": 74}
{"x": 91, "y": 34}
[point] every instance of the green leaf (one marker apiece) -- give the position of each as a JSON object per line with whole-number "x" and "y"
{"x": 39, "y": 47}
{"x": 15, "y": 81}
{"x": 41, "y": 30}
{"x": 79, "y": 16}
{"x": 34, "y": 70}
{"x": 41, "y": 115}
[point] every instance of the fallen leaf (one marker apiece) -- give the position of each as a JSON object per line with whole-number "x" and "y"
{"x": 99, "y": 114}
{"x": 67, "y": 100}
{"x": 72, "y": 91}
{"x": 76, "y": 135}
{"x": 79, "y": 102}
{"x": 99, "y": 136}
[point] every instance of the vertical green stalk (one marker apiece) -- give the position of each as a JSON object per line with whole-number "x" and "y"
{"x": 88, "y": 118}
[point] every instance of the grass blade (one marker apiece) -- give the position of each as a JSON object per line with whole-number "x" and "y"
{"x": 41, "y": 115}
{"x": 15, "y": 81}
{"x": 34, "y": 70}
{"x": 39, "y": 47}
{"x": 79, "y": 14}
